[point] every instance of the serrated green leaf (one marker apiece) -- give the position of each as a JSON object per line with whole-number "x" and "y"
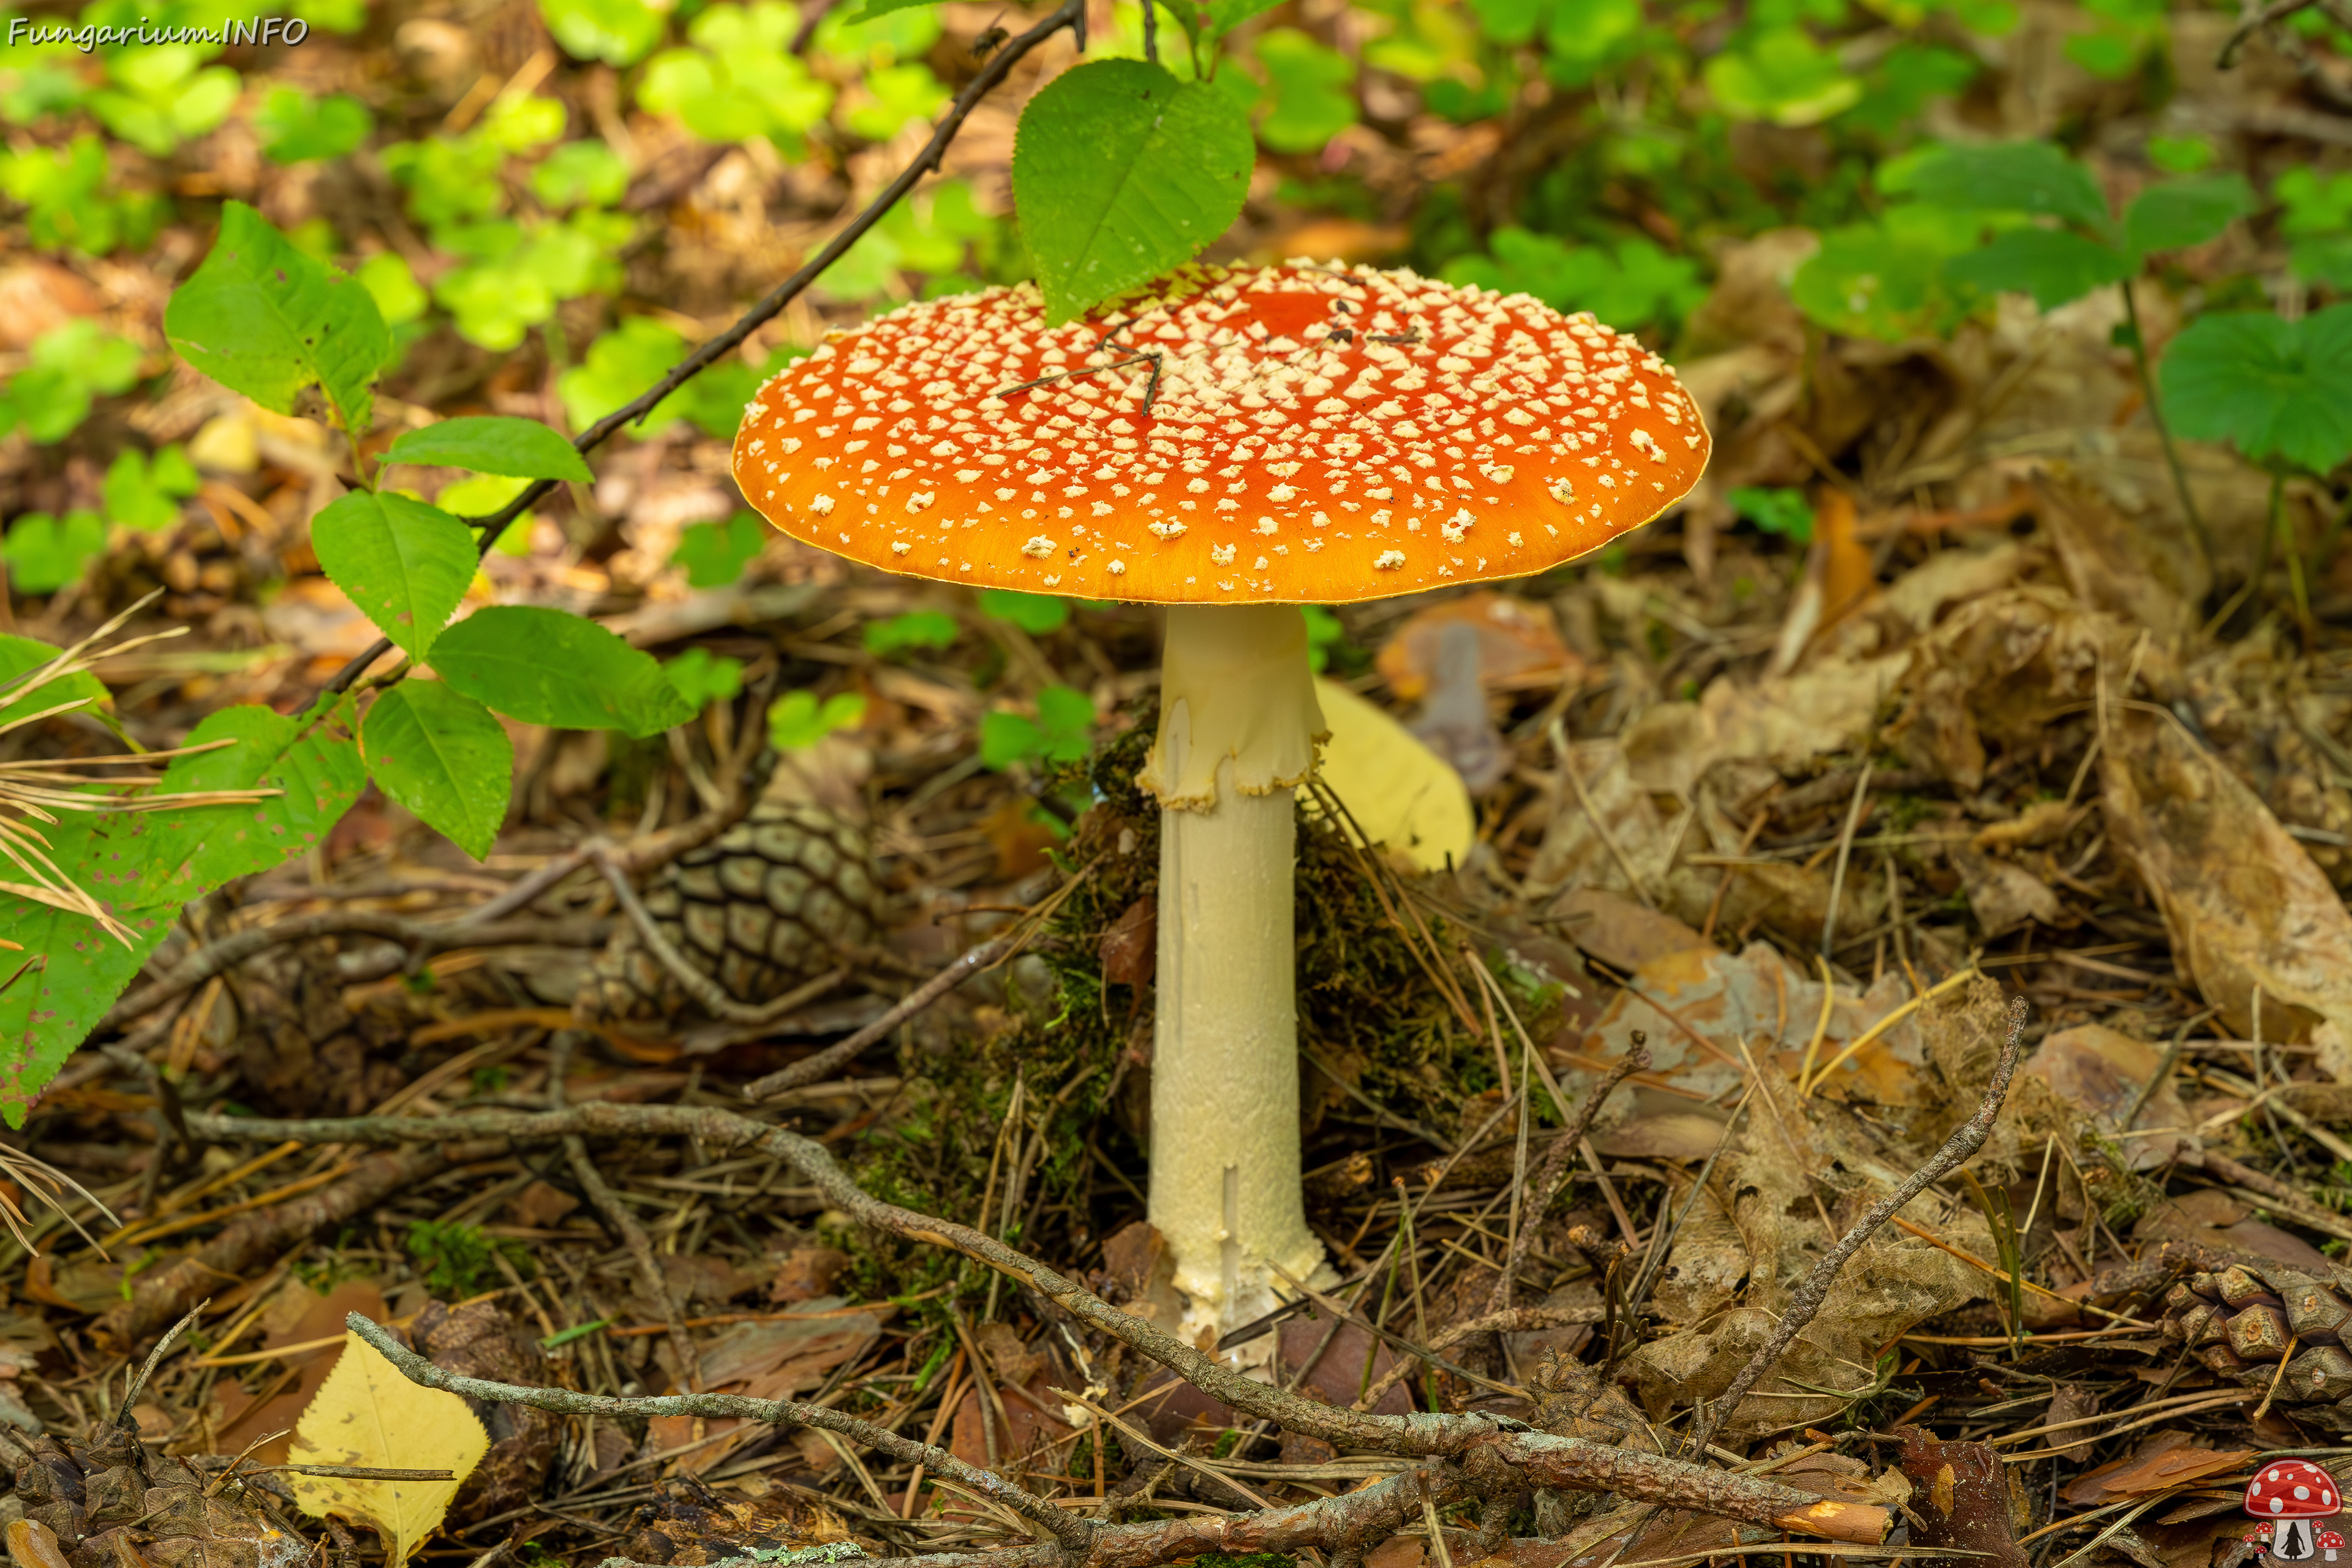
{"x": 2183, "y": 213}
{"x": 262, "y": 318}
{"x": 51, "y": 1010}
{"x": 19, "y": 655}
{"x": 192, "y": 850}
{"x": 2008, "y": 176}
{"x": 519, "y": 448}
{"x": 549, "y": 667}
{"x": 1119, "y": 173}
{"x": 405, "y": 564}
{"x": 2054, "y": 265}
{"x": 2272, "y": 387}
{"x": 445, "y": 757}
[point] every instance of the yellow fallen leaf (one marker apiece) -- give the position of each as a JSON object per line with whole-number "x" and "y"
{"x": 367, "y": 1414}
{"x": 1399, "y": 791}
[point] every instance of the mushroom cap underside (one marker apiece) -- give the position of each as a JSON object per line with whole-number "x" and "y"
{"x": 1292, "y": 434}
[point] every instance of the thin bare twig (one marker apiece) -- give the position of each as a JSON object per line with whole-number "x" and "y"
{"x": 1806, "y": 1298}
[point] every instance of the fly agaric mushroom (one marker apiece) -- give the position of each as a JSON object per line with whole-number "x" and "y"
{"x": 1227, "y": 442}
{"x": 2330, "y": 1543}
{"x": 2292, "y": 1493}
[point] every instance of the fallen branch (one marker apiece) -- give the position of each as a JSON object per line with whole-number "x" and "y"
{"x": 1484, "y": 1457}
{"x": 1808, "y": 1298}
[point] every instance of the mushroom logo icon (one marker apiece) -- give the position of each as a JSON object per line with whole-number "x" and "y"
{"x": 2291, "y": 1494}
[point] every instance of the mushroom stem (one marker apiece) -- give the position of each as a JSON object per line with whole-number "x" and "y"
{"x": 1237, "y": 731}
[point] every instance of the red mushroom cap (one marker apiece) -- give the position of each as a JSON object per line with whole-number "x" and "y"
{"x": 2331, "y": 1541}
{"x": 2293, "y": 1489}
{"x": 1274, "y": 434}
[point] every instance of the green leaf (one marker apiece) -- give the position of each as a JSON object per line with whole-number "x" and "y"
{"x": 1783, "y": 76}
{"x": 520, "y": 449}
{"x": 703, "y": 677}
{"x": 869, "y": 9}
{"x": 70, "y": 365}
{"x": 1035, "y": 614}
{"x": 445, "y": 757}
{"x": 405, "y": 564}
{"x": 45, "y": 554}
{"x": 796, "y": 720}
{"x": 192, "y": 850}
{"x": 398, "y": 297}
{"x": 715, "y": 553}
{"x": 1062, "y": 731}
{"x": 900, "y": 93}
{"x": 2181, "y": 213}
{"x": 552, "y": 667}
{"x": 583, "y": 171}
{"x": 1119, "y": 173}
{"x": 20, "y": 654}
{"x": 2272, "y": 387}
{"x": 1223, "y": 16}
{"x": 1886, "y": 280}
{"x": 147, "y": 496}
{"x": 2188, "y": 154}
{"x": 2006, "y": 176}
{"x": 1783, "y": 512}
{"x": 1314, "y": 97}
{"x": 2054, "y": 265}
{"x": 617, "y": 32}
{"x": 262, "y": 318}
{"x": 929, "y": 629}
{"x": 48, "y": 1012}
{"x": 295, "y": 128}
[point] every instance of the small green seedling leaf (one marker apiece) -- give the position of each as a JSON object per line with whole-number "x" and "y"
{"x": 1786, "y": 513}
{"x": 2272, "y": 387}
{"x": 518, "y": 448}
{"x": 405, "y": 564}
{"x": 1062, "y": 731}
{"x": 295, "y": 128}
{"x": 928, "y": 630}
{"x": 2054, "y": 265}
{"x": 2181, "y": 213}
{"x": 262, "y": 318}
{"x": 445, "y": 757}
{"x": 1121, "y": 172}
{"x": 552, "y": 667}
{"x": 44, "y": 552}
{"x": 1035, "y": 614}
{"x": 797, "y": 720}
{"x": 145, "y": 494}
{"x": 715, "y": 553}
{"x": 1314, "y": 96}
{"x": 703, "y": 677}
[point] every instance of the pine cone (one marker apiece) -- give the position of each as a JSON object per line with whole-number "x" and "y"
{"x": 116, "y": 1490}
{"x": 762, "y": 909}
{"x": 2240, "y": 1319}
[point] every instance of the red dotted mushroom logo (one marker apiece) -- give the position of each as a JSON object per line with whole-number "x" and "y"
{"x": 2291, "y": 1493}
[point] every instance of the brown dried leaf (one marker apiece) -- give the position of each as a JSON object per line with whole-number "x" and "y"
{"x": 2161, "y": 1470}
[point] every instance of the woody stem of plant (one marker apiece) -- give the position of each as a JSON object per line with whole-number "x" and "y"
{"x": 1071, "y": 14}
